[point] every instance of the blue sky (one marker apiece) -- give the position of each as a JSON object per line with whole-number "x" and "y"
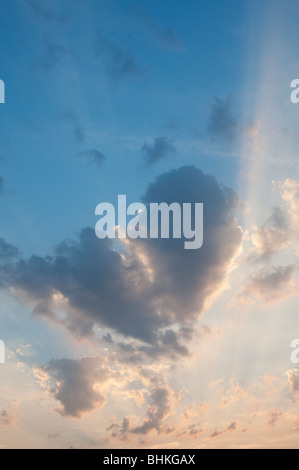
{"x": 186, "y": 101}
{"x": 57, "y": 84}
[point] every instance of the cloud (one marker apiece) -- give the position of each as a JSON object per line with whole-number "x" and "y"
{"x": 223, "y": 128}
{"x": 74, "y": 383}
{"x": 278, "y": 233}
{"x": 273, "y": 236}
{"x": 195, "y": 411}
{"x": 9, "y": 414}
{"x": 162, "y": 400}
{"x": 120, "y": 431}
{"x": 230, "y": 428}
{"x": 43, "y": 13}
{"x": 24, "y": 351}
{"x": 274, "y": 416}
{"x": 158, "y": 150}
{"x": 253, "y": 129}
{"x": 119, "y": 62}
{"x": 77, "y": 129}
{"x": 290, "y": 194}
{"x": 233, "y": 393}
{"x": 188, "y": 279}
{"x": 92, "y": 156}
{"x": 167, "y": 343}
{"x": 97, "y": 283}
{"x": 271, "y": 284}
{"x": 166, "y": 38}
{"x": 159, "y": 408}
{"x": 53, "y": 55}
{"x": 53, "y": 435}
{"x": 1, "y": 185}
{"x": 293, "y": 379}
{"x": 154, "y": 289}
{"x": 7, "y": 251}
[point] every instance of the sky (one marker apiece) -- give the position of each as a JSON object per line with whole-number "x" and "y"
{"x": 140, "y": 343}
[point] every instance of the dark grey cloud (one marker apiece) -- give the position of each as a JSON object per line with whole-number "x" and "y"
{"x": 156, "y": 412}
{"x": 92, "y": 156}
{"x": 168, "y": 343}
{"x": 53, "y": 55}
{"x": 156, "y": 151}
{"x": 161, "y": 400}
{"x": 72, "y": 383}
{"x": 118, "y": 61}
{"x": 188, "y": 278}
{"x": 120, "y": 431}
{"x": 223, "y": 128}
{"x": 97, "y": 283}
{"x": 156, "y": 307}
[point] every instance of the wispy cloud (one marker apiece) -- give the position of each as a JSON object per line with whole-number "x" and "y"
{"x": 119, "y": 62}
{"x": 274, "y": 416}
{"x": 272, "y": 236}
{"x": 165, "y": 37}
{"x": 230, "y": 428}
{"x": 53, "y": 55}
{"x": 272, "y": 284}
{"x": 77, "y": 129}
{"x": 223, "y": 128}
{"x": 43, "y": 13}
{"x": 92, "y": 156}
{"x": 9, "y": 414}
